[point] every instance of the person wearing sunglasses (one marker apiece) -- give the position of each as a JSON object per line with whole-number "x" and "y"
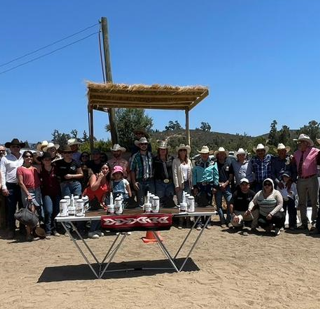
{"x": 29, "y": 182}
{"x": 9, "y": 183}
{"x": 269, "y": 203}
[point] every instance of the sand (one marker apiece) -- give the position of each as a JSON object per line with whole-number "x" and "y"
{"x": 227, "y": 270}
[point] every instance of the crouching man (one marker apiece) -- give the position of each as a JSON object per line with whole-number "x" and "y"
{"x": 239, "y": 206}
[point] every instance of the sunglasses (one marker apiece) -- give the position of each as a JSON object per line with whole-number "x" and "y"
{"x": 267, "y": 184}
{"x": 15, "y": 146}
{"x": 143, "y": 144}
{"x": 84, "y": 156}
{"x": 67, "y": 152}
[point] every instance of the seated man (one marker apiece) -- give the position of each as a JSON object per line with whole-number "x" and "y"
{"x": 239, "y": 205}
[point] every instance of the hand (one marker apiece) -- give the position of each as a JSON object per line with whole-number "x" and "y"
{"x": 29, "y": 197}
{"x": 177, "y": 189}
{"x": 235, "y": 219}
{"x": 248, "y": 212}
{"x": 136, "y": 186}
{"x": 68, "y": 176}
{"x": 214, "y": 190}
{"x": 280, "y": 185}
{"x": 5, "y": 192}
{"x": 269, "y": 217}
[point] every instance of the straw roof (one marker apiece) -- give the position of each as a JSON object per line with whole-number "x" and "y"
{"x": 103, "y": 96}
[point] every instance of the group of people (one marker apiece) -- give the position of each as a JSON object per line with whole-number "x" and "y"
{"x": 257, "y": 191}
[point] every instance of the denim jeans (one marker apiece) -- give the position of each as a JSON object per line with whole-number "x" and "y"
{"x": 51, "y": 209}
{"x": 12, "y": 199}
{"x": 164, "y": 190}
{"x": 70, "y": 187}
{"x": 227, "y": 196}
{"x": 144, "y": 187}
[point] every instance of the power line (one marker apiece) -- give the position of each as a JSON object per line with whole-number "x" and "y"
{"x": 47, "y": 54}
{"x": 51, "y": 44}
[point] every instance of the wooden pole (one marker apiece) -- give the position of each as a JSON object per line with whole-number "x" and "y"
{"x": 107, "y": 63}
{"x": 91, "y": 133}
{"x": 188, "y": 128}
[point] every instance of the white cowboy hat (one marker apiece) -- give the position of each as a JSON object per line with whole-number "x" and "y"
{"x": 221, "y": 149}
{"x": 184, "y": 147}
{"x": 241, "y": 151}
{"x": 73, "y": 141}
{"x": 41, "y": 145}
{"x": 304, "y": 138}
{"x": 261, "y": 147}
{"x": 51, "y": 145}
{"x": 282, "y": 146}
{"x": 117, "y": 147}
{"x": 205, "y": 149}
{"x": 142, "y": 140}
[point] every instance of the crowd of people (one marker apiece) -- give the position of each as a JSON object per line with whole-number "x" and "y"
{"x": 257, "y": 191}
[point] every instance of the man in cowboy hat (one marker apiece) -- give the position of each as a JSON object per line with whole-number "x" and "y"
{"x": 306, "y": 159}
{"x": 141, "y": 170}
{"x": 138, "y": 133}
{"x": 280, "y": 164}
{"x": 226, "y": 181}
{"x": 242, "y": 167}
{"x": 96, "y": 162}
{"x": 204, "y": 175}
{"x": 261, "y": 165}
{"x": 74, "y": 144}
{"x": 117, "y": 159}
{"x": 10, "y": 187}
{"x": 3, "y": 220}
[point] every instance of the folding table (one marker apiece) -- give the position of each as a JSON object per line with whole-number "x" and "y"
{"x": 122, "y": 225}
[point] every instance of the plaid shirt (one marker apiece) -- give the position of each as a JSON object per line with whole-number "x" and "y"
{"x": 142, "y": 165}
{"x": 262, "y": 168}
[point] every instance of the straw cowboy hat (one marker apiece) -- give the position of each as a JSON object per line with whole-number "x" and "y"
{"x": 221, "y": 149}
{"x": 73, "y": 141}
{"x": 241, "y": 151}
{"x": 51, "y": 145}
{"x": 142, "y": 140}
{"x": 117, "y": 147}
{"x": 141, "y": 130}
{"x": 304, "y": 138}
{"x": 163, "y": 145}
{"x": 66, "y": 148}
{"x": 41, "y": 145}
{"x": 205, "y": 149}
{"x": 184, "y": 147}
{"x": 282, "y": 146}
{"x": 261, "y": 147}
{"x": 16, "y": 142}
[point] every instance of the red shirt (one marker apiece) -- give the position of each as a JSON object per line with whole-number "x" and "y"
{"x": 30, "y": 177}
{"x": 49, "y": 182}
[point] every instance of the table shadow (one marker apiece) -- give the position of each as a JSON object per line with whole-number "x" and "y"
{"x": 83, "y": 272}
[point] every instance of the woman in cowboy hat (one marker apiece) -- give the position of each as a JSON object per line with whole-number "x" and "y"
{"x": 162, "y": 166}
{"x": 53, "y": 150}
{"x": 182, "y": 175}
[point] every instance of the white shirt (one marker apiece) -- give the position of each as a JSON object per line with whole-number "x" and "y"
{"x": 9, "y": 165}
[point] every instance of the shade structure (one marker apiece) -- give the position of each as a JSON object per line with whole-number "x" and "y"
{"x": 102, "y": 96}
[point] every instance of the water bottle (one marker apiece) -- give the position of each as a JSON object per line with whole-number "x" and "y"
{"x": 191, "y": 204}
{"x": 63, "y": 207}
{"x": 118, "y": 205}
{"x": 71, "y": 208}
{"x": 79, "y": 207}
{"x": 155, "y": 204}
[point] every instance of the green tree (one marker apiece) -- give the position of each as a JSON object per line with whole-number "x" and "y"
{"x": 172, "y": 126}
{"x": 127, "y": 120}
{"x": 284, "y": 135}
{"x": 273, "y": 134}
{"x": 74, "y": 133}
{"x": 312, "y": 129}
{"x": 60, "y": 138}
{"x": 85, "y": 136}
{"x": 205, "y": 126}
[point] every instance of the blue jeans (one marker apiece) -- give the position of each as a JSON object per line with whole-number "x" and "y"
{"x": 164, "y": 190}
{"x": 12, "y": 199}
{"x": 144, "y": 187}
{"x": 70, "y": 187}
{"x": 36, "y": 200}
{"x": 227, "y": 195}
{"x": 51, "y": 209}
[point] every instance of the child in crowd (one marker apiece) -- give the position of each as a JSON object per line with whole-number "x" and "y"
{"x": 120, "y": 186}
{"x": 289, "y": 194}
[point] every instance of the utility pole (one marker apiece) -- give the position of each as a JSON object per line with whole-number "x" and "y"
{"x": 108, "y": 78}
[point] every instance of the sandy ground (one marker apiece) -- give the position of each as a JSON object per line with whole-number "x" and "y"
{"x": 227, "y": 270}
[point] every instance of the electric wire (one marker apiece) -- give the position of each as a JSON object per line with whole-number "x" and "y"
{"x": 49, "y": 53}
{"x": 49, "y": 45}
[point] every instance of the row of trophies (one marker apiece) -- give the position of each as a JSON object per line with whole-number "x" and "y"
{"x": 73, "y": 206}
{"x": 188, "y": 203}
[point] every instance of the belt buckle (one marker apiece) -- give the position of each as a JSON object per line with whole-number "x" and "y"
{"x": 166, "y": 180}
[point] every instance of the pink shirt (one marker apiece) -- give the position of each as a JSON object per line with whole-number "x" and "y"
{"x": 30, "y": 177}
{"x": 309, "y": 166}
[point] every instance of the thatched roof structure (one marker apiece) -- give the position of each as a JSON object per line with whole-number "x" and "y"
{"x": 109, "y": 95}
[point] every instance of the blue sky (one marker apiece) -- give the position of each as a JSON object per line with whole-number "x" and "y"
{"x": 259, "y": 58}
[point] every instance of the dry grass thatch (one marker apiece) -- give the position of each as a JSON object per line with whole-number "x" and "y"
{"x": 102, "y": 96}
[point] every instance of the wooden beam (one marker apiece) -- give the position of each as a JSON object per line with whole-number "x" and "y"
{"x": 188, "y": 127}
{"x": 198, "y": 100}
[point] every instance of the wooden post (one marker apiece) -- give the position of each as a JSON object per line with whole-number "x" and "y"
{"x": 188, "y": 128}
{"x": 107, "y": 63}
